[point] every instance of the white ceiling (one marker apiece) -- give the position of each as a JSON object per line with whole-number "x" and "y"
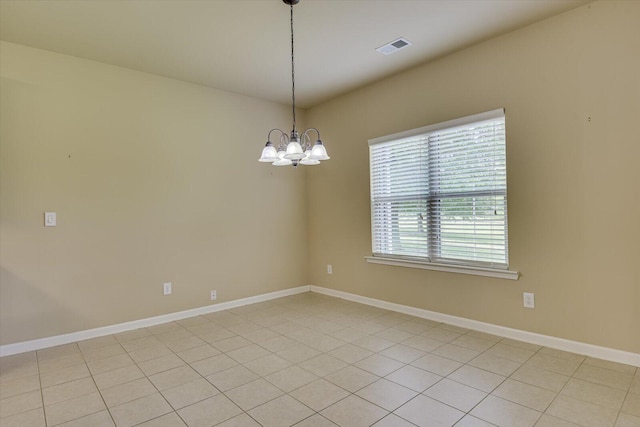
{"x": 243, "y": 45}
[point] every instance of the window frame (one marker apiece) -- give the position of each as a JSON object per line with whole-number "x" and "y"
{"x": 466, "y": 266}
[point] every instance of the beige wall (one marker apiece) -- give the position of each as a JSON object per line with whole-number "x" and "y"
{"x": 153, "y": 180}
{"x": 571, "y": 89}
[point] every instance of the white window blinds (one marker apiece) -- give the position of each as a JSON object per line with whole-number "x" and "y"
{"x": 439, "y": 193}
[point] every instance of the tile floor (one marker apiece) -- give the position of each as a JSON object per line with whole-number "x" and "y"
{"x": 312, "y": 360}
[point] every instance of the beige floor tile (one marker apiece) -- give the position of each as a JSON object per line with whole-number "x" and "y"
{"x": 18, "y": 385}
{"x": 350, "y": 353}
{"x": 316, "y": 420}
{"x": 61, "y": 362}
{"x": 426, "y": 412}
{"x": 549, "y": 421}
{"x": 379, "y": 365}
{"x": 520, "y": 344}
{"x": 422, "y": 343}
{"x": 495, "y": 364}
{"x": 291, "y": 378}
{"x": 74, "y": 408}
{"x": 437, "y": 364}
{"x": 373, "y": 343}
{"x": 626, "y": 420}
{"x": 386, "y": 394}
{"x": 441, "y": 334}
{"x": 319, "y": 394}
{"x": 471, "y": 421}
{"x": 324, "y": 343}
{"x": 298, "y": 353}
{"x": 185, "y": 343}
{"x": 553, "y": 364}
{"x": 109, "y": 364}
{"x": 395, "y": 335}
{"x": 261, "y": 335}
{"x": 454, "y": 394}
{"x": 20, "y": 403}
{"x": 97, "y": 353}
{"x": 403, "y": 353}
{"x": 323, "y": 365}
{"x": 473, "y": 342}
{"x": 615, "y": 379}
{"x": 253, "y": 394}
{"x": 12, "y": 367}
{"x": 57, "y": 351}
{"x": 267, "y": 365}
{"x": 477, "y": 378}
{"x": 525, "y": 394}
{"x": 140, "y": 410}
{"x": 117, "y": 376}
{"x": 69, "y": 390}
{"x": 127, "y": 392}
{"x": 232, "y": 378}
{"x": 620, "y": 367}
{"x": 248, "y": 353}
{"x": 594, "y": 393}
{"x": 349, "y": 334}
{"x": 561, "y": 354}
{"x": 98, "y": 342}
{"x": 132, "y": 335}
{"x": 457, "y": 353}
{"x": 198, "y": 353}
{"x": 541, "y": 378}
{"x": 211, "y": 411}
{"x": 414, "y": 378}
{"x": 142, "y": 342}
{"x": 278, "y": 343}
{"x": 632, "y": 404}
{"x": 32, "y": 418}
{"x": 242, "y": 420}
{"x": 515, "y": 354}
{"x": 64, "y": 375}
{"x": 352, "y": 378}
{"x": 99, "y": 419}
{"x": 354, "y": 411}
{"x": 392, "y": 420}
{"x": 504, "y": 413}
{"x": 149, "y": 353}
{"x": 232, "y": 343}
{"x": 189, "y": 393}
{"x": 160, "y": 364}
{"x": 173, "y": 377}
{"x": 582, "y": 413}
{"x": 282, "y": 411}
{"x": 213, "y": 364}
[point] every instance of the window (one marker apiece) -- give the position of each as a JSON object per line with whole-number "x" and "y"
{"x": 439, "y": 193}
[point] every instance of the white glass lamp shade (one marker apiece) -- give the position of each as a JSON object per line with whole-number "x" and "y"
{"x": 269, "y": 153}
{"x": 318, "y": 152}
{"x": 307, "y": 160}
{"x": 282, "y": 162}
{"x": 294, "y": 151}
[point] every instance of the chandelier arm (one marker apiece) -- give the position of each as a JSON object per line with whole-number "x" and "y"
{"x": 313, "y": 129}
{"x": 273, "y": 130}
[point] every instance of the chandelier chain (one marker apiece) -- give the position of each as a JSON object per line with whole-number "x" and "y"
{"x": 293, "y": 76}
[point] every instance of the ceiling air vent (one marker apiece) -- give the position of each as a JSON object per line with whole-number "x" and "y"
{"x": 394, "y": 46}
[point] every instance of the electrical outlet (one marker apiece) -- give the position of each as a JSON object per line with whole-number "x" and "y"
{"x": 329, "y": 269}
{"x": 166, "y": 288}
{"x": 214, "y": 295}
{"x": 529, "y": 300}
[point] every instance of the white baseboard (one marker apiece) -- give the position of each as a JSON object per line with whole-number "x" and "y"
{"x": 22, "y": 347}
{"x": 591, "y": 350}
{"x": 599, "y": 352}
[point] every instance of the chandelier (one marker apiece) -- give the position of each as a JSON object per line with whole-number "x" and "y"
{"x": 293, "y": 149}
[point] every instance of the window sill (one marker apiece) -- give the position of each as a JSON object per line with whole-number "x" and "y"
{"x": 477, "y": 271}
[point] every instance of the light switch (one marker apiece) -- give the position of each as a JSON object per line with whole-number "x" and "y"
{"x": 49, "y": 219}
